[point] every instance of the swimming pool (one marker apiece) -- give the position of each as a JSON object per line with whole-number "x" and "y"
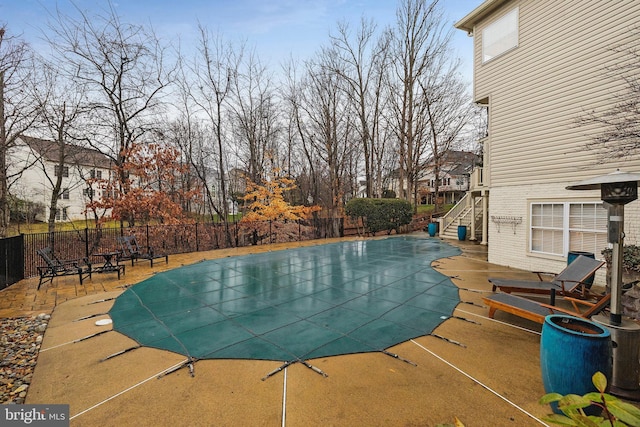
{"x": 295, "y": 304}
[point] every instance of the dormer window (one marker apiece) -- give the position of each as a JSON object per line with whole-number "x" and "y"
{"x": 500, "y": 36}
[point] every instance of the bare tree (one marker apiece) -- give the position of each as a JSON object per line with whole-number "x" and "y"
{"x": 329, "y": 127}
{"x": 18, "y": 109}
{"x": 618, "y": 135}
{"x": 444, "y": 99}
{"x": 215, "y": 70}
{"x": 419, "y": 39}
{"x": 255, "y": 117}
{"x": 361, "y": 60}
{"x": 63, "y": 107}
{"x": 299, "y": 136}
{"x": 122, "y": 66}
{"x": 194, "y": 136}
{"x": 385, "y": 150}
{"x": 188, "y": 133}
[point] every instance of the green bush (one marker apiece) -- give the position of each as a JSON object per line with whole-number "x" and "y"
{"x": 388, "y": 194}
{"x": 380, "y": 214}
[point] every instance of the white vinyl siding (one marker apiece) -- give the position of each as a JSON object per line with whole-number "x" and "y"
{"x": 537, "y": 92}
{"x": 557, "y": 228}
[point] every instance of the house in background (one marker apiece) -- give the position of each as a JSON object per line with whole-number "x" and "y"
{"x": 539, "y": 66}
{"x": 38, "y": 159}
{"x": 453, "y": 177}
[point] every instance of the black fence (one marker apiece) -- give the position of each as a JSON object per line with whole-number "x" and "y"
{"x": 20, "y": 258}
{"x": 11, "y": 260}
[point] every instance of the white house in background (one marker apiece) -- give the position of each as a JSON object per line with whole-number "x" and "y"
{"x": 538, "y": 67}
{"x": 39, "y": 159}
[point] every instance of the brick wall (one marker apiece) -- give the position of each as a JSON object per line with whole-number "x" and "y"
{"x": 511, "y": 249}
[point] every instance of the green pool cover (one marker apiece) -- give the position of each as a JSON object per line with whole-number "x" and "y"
{"x": 295, "y": 304}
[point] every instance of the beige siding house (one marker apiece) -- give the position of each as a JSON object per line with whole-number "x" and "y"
{"x": 539, "y": 66}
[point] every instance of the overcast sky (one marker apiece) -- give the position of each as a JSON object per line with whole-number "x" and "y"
{"x": 276, "y": 28}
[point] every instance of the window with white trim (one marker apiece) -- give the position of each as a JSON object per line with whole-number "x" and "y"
{"x": 500, "y": 36}
{"x": 560, "y": 227}
{"x": 64, "y": 194}
{"x": 61, "y": 214}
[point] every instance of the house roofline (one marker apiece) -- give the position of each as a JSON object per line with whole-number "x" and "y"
{"x": 75, "y": 154}
{"x": 469, "y": 22}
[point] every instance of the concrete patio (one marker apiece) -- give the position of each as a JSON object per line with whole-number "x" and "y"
{"x": 485, "y": 372}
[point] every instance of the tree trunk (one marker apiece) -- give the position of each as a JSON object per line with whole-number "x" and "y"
{"x": 4, "y": 190}
{"x": 55, "y": 193}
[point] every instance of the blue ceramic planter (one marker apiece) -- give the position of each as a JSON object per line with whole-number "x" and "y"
{"x": 572, "y": 349}
{"x": 462, "y": 232}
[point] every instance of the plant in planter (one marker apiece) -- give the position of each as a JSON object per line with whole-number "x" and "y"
{"x": 615, "y": 412}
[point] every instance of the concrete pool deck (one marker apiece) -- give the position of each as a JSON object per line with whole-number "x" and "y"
{"x": 484, "y": 372}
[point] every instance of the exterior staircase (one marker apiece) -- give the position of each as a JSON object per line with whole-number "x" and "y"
{"x": 461, "y": 214}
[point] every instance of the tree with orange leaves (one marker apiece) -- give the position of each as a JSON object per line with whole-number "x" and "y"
{"x": 267, "y": 201}
{"x": 152, "y": 189}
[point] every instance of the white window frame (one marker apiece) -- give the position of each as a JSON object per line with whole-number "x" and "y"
{"x": 64, "y": 194}
{"x": 563, "y": 225}
{"x": 501, "y": 36}
{"x": 61, "y": 214}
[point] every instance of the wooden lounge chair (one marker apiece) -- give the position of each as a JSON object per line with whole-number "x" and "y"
{"x": 130, "y": 250}
{"x": 55, "y": 267}
{"x": 569, "y": 282}
{"x": 537, "y": 311}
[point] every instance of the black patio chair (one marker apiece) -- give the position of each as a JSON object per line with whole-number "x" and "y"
{"x": 55, "y": 267}
{"x": 129, "y": 249}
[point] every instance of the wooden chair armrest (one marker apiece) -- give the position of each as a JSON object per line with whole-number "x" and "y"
{"x": 583, "y": 301}
{"x": 579, "y": 303}
{"x": 555, "y": 308}
{"x": 582, "y": 286}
